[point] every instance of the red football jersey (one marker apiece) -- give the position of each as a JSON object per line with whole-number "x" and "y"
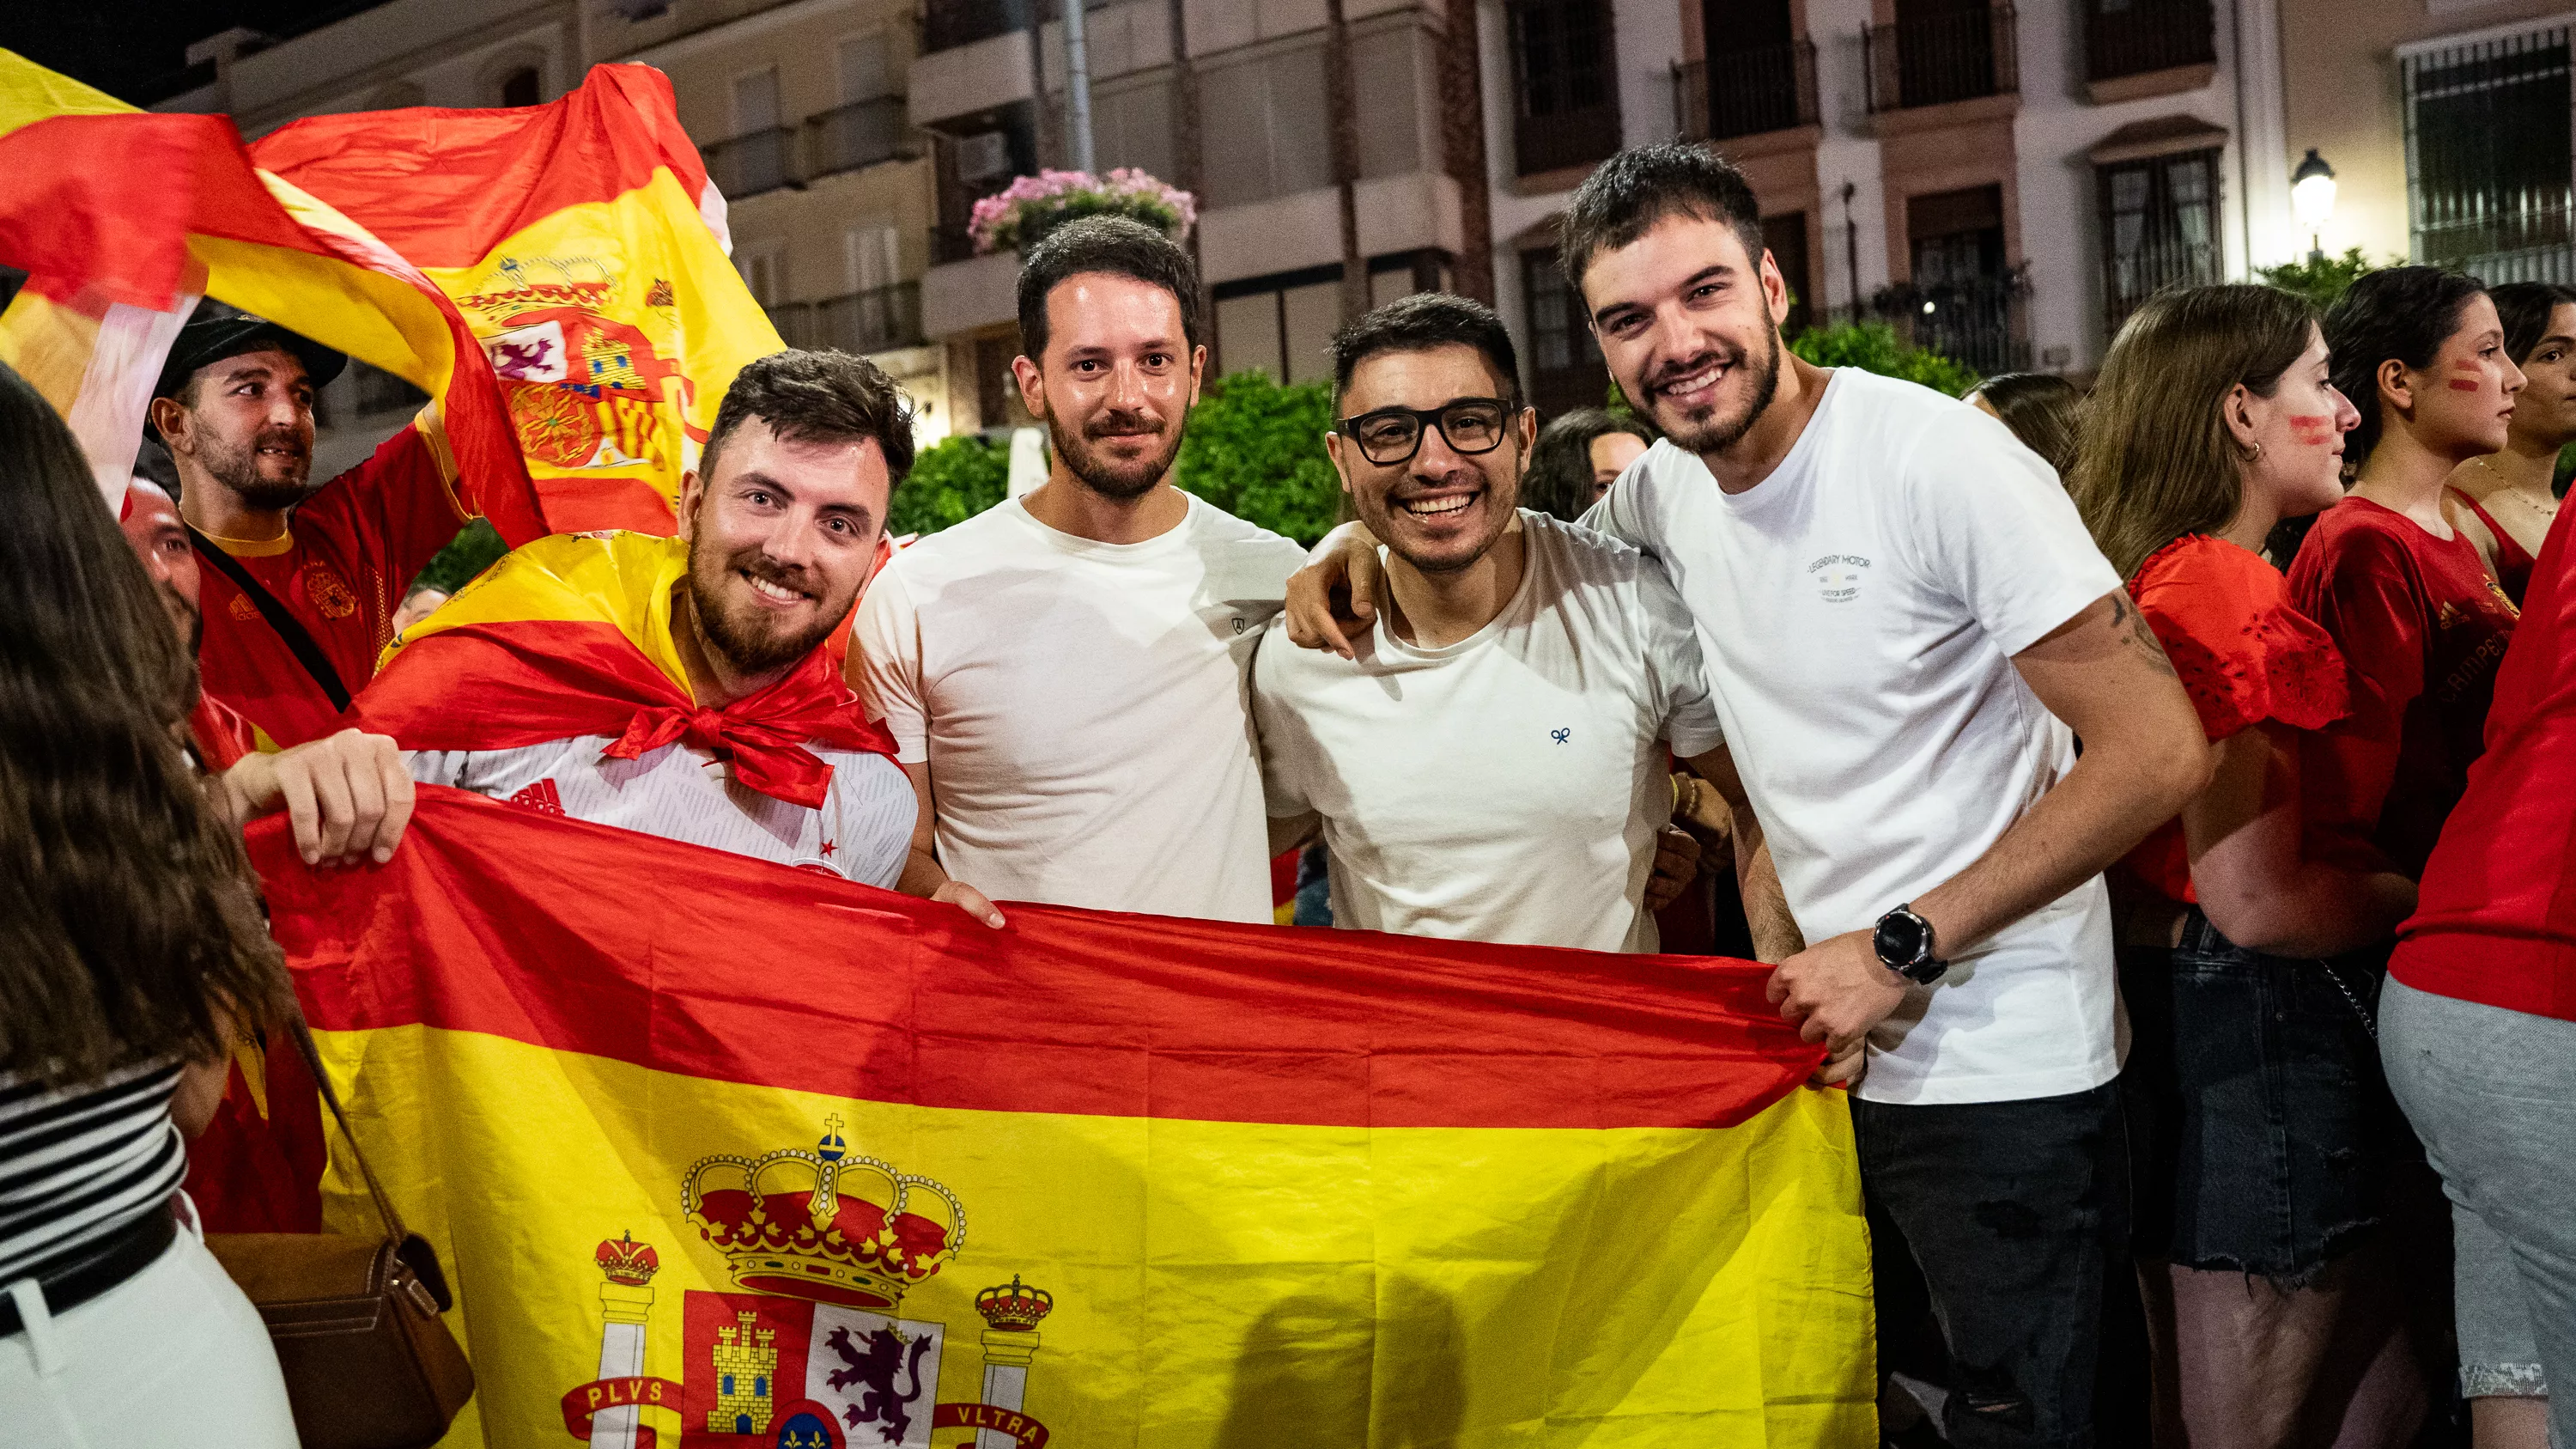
{"x": 349, "y": 552}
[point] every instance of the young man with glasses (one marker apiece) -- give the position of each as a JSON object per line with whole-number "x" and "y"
{"x": 1907, "y": 628}
{"x": 1490, "y": 764}
{"x": 1064, "y": 674}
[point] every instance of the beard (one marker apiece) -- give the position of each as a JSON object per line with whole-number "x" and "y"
{"x": 1110, "y": 477}
{"x": 184, "y": 616}
{"x": 236, "y": 467}
{"x": 740, "y": 631}
{"x": 1714, "y": 429}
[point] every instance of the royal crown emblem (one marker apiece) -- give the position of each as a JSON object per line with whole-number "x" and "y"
{"x": 627, "y": 1261}
{"x": 1014, "y": 1308}
{"x": 823, "y": 1225}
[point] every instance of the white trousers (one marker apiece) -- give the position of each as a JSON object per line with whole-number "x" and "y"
{"x": 173, "y": 1356}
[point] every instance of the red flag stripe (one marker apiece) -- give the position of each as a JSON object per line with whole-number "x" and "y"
{"x": 715, "y": 966}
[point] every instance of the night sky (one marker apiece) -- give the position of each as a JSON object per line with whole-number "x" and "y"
{"x": 136, "y": 49}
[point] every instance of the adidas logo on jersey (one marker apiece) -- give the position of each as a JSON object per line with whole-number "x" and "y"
{"x": 540, "y": 796}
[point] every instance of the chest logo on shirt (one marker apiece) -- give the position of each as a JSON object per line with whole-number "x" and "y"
{"x": 541, "y": 797}
{"x": 328, "y": 592}
{"x": 1561, "y": 735}
{"x": 1838, "y": 576}
{"x": 242, "y": 609}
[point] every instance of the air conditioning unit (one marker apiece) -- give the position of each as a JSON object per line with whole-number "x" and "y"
{"x": 981, "y": 158}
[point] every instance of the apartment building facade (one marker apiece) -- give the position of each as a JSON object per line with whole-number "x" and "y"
{"x": 2447, "y": 124}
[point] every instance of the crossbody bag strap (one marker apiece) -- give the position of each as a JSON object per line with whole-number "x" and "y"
{"x": 410, "y": 1247}
{"x": 288, "y": 627}
{"x": 330, "y": 1098}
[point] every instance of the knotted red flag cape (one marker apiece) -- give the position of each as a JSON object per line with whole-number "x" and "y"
{"x": 571, "y": 636}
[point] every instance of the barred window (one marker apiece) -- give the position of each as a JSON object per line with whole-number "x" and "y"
{"x": 2159, "y": 228}
{"x": 2488, "y": 157}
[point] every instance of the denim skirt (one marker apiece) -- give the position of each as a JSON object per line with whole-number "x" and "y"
{"x": 2260, "y": 1125}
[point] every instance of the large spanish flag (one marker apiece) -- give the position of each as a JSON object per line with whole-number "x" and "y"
{"x": 585, "y": 244}
{"x": 726, "y": 1153}
{"x": 124, "y": 219}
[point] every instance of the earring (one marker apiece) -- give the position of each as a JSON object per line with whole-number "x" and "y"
{"x": 2258, "y": 454}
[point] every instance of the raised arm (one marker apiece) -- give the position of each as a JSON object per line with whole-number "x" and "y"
{"x": 2144, "y": 756}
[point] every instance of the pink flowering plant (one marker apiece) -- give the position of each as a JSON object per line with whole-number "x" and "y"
{"x": 1031, "y": 206}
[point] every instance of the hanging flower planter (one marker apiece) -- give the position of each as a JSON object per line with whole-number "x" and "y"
{"x": 1014, "y": 218}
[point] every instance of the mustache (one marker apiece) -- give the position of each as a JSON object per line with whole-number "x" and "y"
{"x": 288, "y": 439}
{"x": 1124, "y": 425}
{"x": 794, "y": 577}
{"x": 1729, "y": 357}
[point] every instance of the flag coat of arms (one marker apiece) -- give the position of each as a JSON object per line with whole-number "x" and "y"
{"x": 722, "y": 1154}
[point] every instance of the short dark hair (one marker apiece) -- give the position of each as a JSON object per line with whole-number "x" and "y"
{"x": 2404, "y": 312}
{"x": 1559, "y": 477}
{"x": 816, "y": 397}
{"x": 1626, "y": 195}
{"x": 2525, "y": 308}
{"x": 1424, "y": 321}
{"x": 1118, "y": 245}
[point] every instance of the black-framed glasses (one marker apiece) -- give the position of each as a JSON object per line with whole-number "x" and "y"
{"x": 1390, "y": 436}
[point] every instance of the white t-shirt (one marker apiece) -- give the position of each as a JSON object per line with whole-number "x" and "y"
{"x": 1858, "y": 613}
{"x": 1507, "y": 787}
{"x": 863, "y": 831}
{"x": 1083, "y": 706}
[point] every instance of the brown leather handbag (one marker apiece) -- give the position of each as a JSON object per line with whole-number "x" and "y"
{"x": 368, "y": 1362}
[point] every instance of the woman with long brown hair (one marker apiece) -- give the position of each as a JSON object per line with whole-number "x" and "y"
{"x": 2213, "y": 420}
{"x": 130, "y": 947}
{"x": 2505, "y": 501}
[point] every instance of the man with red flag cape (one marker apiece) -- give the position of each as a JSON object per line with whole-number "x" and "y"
{"x": 689, "y": 687}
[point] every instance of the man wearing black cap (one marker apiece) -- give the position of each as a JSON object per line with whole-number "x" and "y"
{"x": 301, "y": 582}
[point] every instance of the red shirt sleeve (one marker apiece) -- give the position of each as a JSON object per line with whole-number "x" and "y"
{"x": 2243, "y": 654}
{"x": 403, "y": 499}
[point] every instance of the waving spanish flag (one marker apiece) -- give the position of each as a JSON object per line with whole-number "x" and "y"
{"x": 723, "y": 1152}
{"x": 124, "y": 219}
{"x": 585, "y": 244}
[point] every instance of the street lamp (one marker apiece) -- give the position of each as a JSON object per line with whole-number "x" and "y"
{"x": 2312, "y": 197}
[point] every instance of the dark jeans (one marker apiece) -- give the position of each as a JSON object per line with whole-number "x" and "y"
{"x": 2017, "y": 1213}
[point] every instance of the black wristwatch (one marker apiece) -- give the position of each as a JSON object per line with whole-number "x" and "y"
{"x": 1904, "y": 943}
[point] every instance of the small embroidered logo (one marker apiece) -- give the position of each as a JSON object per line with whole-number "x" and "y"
{"x": 1561, "y": 735}
{"x": 1838, "y": 576}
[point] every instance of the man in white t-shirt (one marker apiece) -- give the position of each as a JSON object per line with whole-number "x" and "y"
{"x": 1491, "y": 765}
{"x": 1065, "y": 675}
{"x": 1906, "y": 625}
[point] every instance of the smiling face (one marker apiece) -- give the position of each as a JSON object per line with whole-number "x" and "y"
{"x": 1118, "y": 378}
{"x": 1441, "y": 509}
{"x": 246, "y": 423}
{"x": 780, "y": 540}
{"x": 2299, "y": 431}
{"x": 2544, "y": 412}
{"x": 1689, "y": 323}
{"x": 2462, "y": 404}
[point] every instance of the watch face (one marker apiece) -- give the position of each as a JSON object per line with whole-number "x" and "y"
{"x": 1899, "y": 940}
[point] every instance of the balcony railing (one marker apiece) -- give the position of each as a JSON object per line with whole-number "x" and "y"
{"x": 1747, "y": 93}
{"x": 947, "y": 24}
{"x": 751, "y": 164}
{"x": 2146, "y": 36}
{"x": 1567, "y": 138}
{"x": 1978, "y": 320}
{"x": 877, "y": 320}
{"x": 1941, "y": 58}
{"x": 862, "y": 133}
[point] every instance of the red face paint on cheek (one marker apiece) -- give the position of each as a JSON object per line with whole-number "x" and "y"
{"x": 2457, "y": 385}
{"x": 2314, "y": 431}
{"x": 2472, "y": 379}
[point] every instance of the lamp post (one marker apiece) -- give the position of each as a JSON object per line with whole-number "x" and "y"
{"x": 2312, "y": 197}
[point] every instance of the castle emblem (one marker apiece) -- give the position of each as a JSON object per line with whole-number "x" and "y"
{"x": 812, "y": 1354}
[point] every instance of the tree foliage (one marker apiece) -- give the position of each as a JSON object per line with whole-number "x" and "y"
{"x": 1875, "y": 347}
{"x": 475, "y": 548}
{"x": 1256, "y": 449}
{"x": 2322, "y": 281}
{"x": 951, "y": 481}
